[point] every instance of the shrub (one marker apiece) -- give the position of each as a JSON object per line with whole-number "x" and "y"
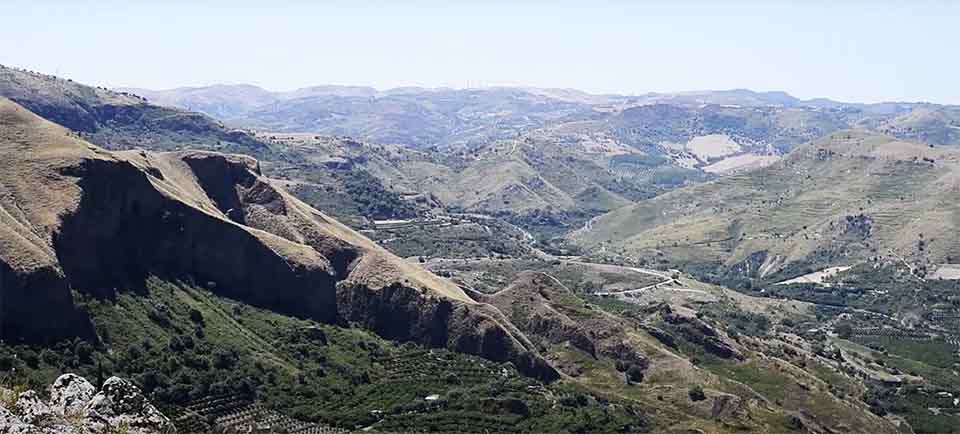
{"x": 844, "y": 330}
{"x": 196, "y": 316}
{"x": 696, "y": 394}
{"x": 10, "y": 396}
{"x": 634, "y": 374}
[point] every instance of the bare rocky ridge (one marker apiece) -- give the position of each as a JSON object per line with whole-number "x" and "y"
{"x": 76, "y": 217}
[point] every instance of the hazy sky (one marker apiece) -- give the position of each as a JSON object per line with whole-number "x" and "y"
{"x": 844, "y": 49}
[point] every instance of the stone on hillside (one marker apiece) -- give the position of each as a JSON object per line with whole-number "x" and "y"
{"x": 120, "y": 403}
{"x": 11, "y": 424}
{"x": 8, "y": 418}
{"x": 32, "y": 409}
{"x": 75, "y": 409}
{"x": 70, "y": 394}
{"x": 22, "y": 428}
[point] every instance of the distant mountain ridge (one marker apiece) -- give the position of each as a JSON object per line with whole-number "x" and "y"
{"x": 444, "y": 117}
{"x": 740, "y": 96}
{"x": 413, "y": 116}
{"x": 549, "y": 157}
{"x": 557, "y": 156}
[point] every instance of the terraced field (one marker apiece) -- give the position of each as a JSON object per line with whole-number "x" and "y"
{"x": 240, "y": 414}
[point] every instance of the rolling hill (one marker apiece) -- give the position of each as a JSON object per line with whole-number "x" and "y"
{"x": 928, "y": 124}
{"x": 545, "y": 182}
{"x": 849, "y": 197}
{"x": 122, "y": 121}
{"x": 560, "y": 155}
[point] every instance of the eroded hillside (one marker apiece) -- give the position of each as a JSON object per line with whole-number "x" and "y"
{"x": 77, "y": 217}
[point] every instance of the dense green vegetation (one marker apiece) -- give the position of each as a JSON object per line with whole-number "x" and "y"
{"x": 894, "y": 290}
{"x": 914, "y": 403}
{"x": 181, "y": 344}
{"x": 350, "y": 195}
{"x": 933, "y": 353}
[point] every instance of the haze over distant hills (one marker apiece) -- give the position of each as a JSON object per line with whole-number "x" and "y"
{"x": 445, "y": 116}
{"x": 246, "y": 97}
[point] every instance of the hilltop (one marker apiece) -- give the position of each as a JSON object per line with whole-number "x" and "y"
{"x": 355, "y": 182}
{"x": 546, "y": 160}
{"x": 413, "y": 116}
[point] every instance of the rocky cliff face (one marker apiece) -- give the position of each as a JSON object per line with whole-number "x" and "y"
{"x": 76, "y": 407}
{"x": 74, "y": 217}
{"x": 402, "y": 313}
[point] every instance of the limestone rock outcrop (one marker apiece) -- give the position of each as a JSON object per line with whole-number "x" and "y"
{"x": 120, "y": 403}
{"x": 70, "y": 393}
{"x": 74, "y": 408}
